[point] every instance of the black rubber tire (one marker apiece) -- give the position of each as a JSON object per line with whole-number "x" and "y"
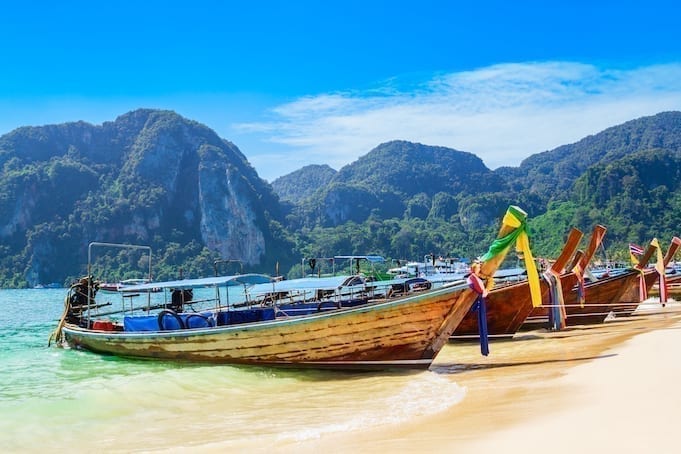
{"x": 172, "y": 313}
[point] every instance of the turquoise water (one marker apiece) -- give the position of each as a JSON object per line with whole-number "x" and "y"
{"x": 60, "y": 398}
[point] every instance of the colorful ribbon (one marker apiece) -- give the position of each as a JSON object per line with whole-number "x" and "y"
{"x": 660, "y": 268}
{"x": 476, "y": 284}
{"x": 557, "y": 314}
{"x": 513, "y": 218}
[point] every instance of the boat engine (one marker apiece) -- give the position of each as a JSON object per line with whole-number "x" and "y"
{"x": 80, "y": 291}
{"x": 178, "y": 298}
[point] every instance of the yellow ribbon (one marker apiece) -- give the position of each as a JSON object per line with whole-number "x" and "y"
{"x": 659, "y": 266}
{"x": 523, "y": 245}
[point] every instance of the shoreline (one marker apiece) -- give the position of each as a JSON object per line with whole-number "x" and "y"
{"x": 583, "y": 389}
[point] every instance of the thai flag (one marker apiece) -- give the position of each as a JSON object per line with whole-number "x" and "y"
{"x": 635, "y": 249}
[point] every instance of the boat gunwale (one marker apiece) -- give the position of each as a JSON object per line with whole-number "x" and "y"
{"x": 371, "y": 306}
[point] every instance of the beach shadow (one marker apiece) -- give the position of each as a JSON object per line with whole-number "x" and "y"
{"x": 526, "y": 337}
{"x": 670, "y": 328}
{"x": 592, "y": 330}
{"x": 457, "y": 368}
{"x": 496, "y": 340}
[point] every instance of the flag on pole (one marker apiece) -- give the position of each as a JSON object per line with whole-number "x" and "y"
{"x": 635, "y": 249}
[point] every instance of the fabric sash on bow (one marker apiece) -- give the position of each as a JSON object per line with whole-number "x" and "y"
{"x": 522, "y": 242}
{"x": 557, "y": 315}
{"x": 663, "y": 289}
{"x": 659, "y": 267}
{"x": 476, "y": 284}
{"x": 642, "y": 288}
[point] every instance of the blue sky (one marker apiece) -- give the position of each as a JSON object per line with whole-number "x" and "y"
{"x": 323, "y": 82}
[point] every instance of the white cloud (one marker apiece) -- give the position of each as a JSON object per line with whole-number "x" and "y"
{"x": 502, "y": 113}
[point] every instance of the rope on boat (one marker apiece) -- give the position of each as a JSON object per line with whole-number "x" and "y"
{"x": 615, "y": 305}
{"x": 57, "y": 334}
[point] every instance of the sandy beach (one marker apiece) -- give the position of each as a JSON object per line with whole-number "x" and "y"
{"x": 613, "y": 387}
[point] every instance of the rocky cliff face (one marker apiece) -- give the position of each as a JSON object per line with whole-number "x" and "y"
{"x": 204, "y": 185}
{"x": 228, "y": 218}
{"x": 147, "y": 175}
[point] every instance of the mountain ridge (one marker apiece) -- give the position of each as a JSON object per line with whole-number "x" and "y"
{"x": 147, "y": 174}
{"x": 153, "y": 176}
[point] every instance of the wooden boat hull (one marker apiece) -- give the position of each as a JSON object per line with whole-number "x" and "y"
{"x": 617, "y": 294}
{"x": 507, "y": 309}
{"x": 404, "y": 333}
{"x": 630, "y": 299}
{"x": 508, "y": 306}
{"x": 673, "y": 287}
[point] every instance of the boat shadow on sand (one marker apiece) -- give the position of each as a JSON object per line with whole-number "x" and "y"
{"x": 458, "y": 367}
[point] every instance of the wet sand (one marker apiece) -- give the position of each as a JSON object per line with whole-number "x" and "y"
{"x": 613, "y": 386}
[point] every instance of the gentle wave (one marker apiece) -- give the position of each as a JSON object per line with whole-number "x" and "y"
{"x": 423, "y": 395}
{"x": 59, "y": 398}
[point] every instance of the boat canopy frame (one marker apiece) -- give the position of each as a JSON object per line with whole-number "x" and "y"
{"x": 97, "y": 244}
{"x": 312, "y": 261}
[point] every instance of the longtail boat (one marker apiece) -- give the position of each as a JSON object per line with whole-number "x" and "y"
{"x": 566, "y": 308}
{"x": 637, "y": 291}
{"x": 508, "y": 305}
{"x": 618, "y": 295}
{"x": 403, "y": 332}
{"x": 673, "y": 281}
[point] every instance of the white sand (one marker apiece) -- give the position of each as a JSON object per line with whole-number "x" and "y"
{"x": 614, "y": 387}
{"x": 627, "y": 402}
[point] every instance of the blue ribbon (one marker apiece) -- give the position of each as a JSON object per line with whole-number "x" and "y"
{"x": 481, "y": 308}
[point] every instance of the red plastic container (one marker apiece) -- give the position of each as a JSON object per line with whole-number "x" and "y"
{"x": 102, "y": 325}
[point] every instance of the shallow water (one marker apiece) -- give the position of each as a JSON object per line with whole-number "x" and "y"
{"x": 62, "y": 398}
{"x": 78, "y": 401}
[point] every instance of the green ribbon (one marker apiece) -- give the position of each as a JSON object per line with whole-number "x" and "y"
{"x": 516, "y": 219}
{"x": 501, "y": 244}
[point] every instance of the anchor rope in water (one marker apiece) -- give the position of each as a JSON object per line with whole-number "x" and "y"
{"x": 57, "y": 334}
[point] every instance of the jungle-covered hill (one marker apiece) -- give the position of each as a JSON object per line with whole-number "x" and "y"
{"x": 626, "y": 178}
{"x": 149, "y": 177}
{"x": 153, "y": 177}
